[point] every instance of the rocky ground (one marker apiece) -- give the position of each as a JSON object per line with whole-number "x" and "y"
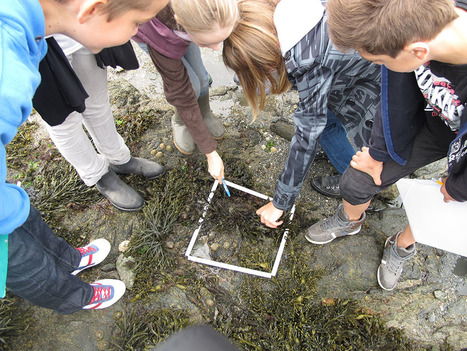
{"x": 429, "y": 305}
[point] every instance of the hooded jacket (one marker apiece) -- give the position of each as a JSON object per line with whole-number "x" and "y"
{"x": 325, "y": 79}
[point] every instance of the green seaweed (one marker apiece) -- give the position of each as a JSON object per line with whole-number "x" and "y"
{"x": 141, "y": 327}
{"x": 13, "y": 321}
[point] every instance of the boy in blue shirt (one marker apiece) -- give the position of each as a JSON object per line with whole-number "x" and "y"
{"x": 422, "y": 46}
{"x": 34, "y": 263}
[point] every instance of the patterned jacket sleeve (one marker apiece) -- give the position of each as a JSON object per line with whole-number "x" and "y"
{"x": 310, "y": 118}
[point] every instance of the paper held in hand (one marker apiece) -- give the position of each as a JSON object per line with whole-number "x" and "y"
{"x": 434, "y": 222}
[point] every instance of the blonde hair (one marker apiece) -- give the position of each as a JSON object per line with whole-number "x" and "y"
{"x": 204, "y": 15}
{"x": 253, "y": 52}
{"x": 385, "y": 27}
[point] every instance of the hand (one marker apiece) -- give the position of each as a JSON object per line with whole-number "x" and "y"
{"x": 363, "y": 161}
{"x": 443, "y": 191}
{"x": 270, "y": 215}
{"x": 215, "y": 166}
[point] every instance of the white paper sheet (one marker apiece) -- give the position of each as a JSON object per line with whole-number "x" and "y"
{"x": 434, "y": 222}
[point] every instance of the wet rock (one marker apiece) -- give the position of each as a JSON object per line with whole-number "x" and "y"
{"x": 125, "y": 270}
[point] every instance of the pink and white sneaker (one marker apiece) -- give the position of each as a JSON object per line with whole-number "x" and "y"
{"x": 92, "y": 254}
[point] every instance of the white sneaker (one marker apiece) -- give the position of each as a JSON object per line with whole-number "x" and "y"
{"x": 92, "y": 254}
{"x": 106, "y": 293}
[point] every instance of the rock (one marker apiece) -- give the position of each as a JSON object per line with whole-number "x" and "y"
{"x": 283, "y": 129}
{"x": 124, "y": 268}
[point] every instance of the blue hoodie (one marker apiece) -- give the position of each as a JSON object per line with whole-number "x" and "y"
{"x": 22, "y": 29}
{"x": 22, "y": 47}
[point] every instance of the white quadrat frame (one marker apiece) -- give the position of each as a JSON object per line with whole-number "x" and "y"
{"x": 230, "y": 266}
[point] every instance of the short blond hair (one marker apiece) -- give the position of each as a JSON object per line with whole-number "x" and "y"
{"x": 385, "y": 27}
{"x": 253, "y": 52}
{"x": 205, "y": 15}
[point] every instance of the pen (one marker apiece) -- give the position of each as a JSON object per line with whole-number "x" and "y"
{"x": 225, "y": 187}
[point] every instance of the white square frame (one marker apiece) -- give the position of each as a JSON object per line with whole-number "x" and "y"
{"x": 230, "y": 266}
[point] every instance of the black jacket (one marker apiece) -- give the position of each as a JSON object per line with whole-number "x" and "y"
{"x": 400, "y": 118}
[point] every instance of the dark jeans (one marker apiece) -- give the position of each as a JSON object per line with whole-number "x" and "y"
{"x": 40, "y": 266}
{"x": 358, "y": 188}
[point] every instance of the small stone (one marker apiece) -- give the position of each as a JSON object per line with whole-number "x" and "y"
{"x": 124, "y": 245}
{"x": 226, "y": 245}
{"x": 162, "y": 146}
{"x": 117, "y": 315}
{"x": 440, "y": 295}
{"x": 99, "y": 334}
{"x": 102, "y": 345}
{"x": 153, "y": 152}
{"x": 159, "y": 154}
{"x": 169, "y": 148}
{"x": 263, "y": 147}
{"x": 214, "y": 247}
{"x": 170, "y": 244}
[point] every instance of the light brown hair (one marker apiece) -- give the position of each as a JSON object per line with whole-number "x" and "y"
{"x": 385, "y": 27}
{"x": 253, "y": 52}
{"x": 205, "y": 15}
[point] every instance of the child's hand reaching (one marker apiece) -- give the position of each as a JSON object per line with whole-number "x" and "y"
{"x": 270, "y": 215}
{"x": 365, "y": 163}
{"x": 215, "y": 166}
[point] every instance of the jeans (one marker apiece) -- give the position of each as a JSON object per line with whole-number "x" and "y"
{"x": 40, "y": 266}
{"x": 71, "y": 139}
{"x": 199, "y": 77}
{"x": 336, "y": 144}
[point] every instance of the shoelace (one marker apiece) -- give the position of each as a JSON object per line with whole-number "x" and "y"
{"x": 86, "y": 250}
{"x": 101, "y": 294}
{"x": 333, "y": 182}
{"x": 393, "y": 263}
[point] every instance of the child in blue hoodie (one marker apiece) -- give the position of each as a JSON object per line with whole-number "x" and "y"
{"x": 34, "y": 263}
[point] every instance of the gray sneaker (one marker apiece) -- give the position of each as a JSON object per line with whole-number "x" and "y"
{"x": 336, "y": 226}
{"x": 390, "y": 269}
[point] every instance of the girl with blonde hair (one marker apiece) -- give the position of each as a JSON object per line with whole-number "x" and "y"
{"x": 281, "y": 44}
{"x": 174, "y": 39}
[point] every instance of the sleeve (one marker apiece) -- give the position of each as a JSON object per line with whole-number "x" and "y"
{"x": 456, "y": 183}
{"x": 18, "y": 80}
{"x": 310, "y": 119}
{"x": 179, "y": 93}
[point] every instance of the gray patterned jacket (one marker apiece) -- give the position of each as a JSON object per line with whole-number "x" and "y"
{"x": 324, "y": 78}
